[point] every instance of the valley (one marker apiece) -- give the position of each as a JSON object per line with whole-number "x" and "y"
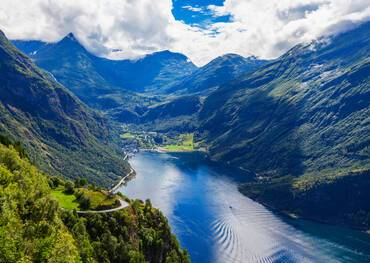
{"x": 251, "y": 160}
{"x": 299, "y": 122}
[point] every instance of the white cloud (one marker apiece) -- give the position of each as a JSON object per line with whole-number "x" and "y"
{"x": 193, "y": 8}
{"x": 269, "y": 28}
{"x": 134, "y": 26}
{"x": 137, "y": 27}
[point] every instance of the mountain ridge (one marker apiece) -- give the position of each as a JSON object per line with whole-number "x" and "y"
{"x": 300, "y": 123}
{"x": 218, "y": 71}
{"x": 64, "y": 136}
{"x": 73, "y": 45}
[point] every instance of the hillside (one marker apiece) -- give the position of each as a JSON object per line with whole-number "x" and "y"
{"x": 104, "y": 83}
{"x": 178, "y": 110}
{"x": 217, "y": 72}
{"x": 153, "y": 73}
{"x": 301, "y": 123}
{"x": 33, "y": 228}
{"x": 114, "y": 86}
{"x": 62, "y": 135}
{"x": 74, "y": 67}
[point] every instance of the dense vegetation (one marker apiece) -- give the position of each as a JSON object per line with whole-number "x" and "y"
{"x": 34, "y": 229}
{"x": 61, "y": 134}
{"x": 301, "y": 123}
{"x": 31, "y": 229}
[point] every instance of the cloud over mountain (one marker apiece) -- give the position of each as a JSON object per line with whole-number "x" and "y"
{"x": 134, "y": 28}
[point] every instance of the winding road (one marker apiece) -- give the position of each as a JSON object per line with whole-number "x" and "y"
{"x": 123, "y": 204}
{"x": 122, "y": 181}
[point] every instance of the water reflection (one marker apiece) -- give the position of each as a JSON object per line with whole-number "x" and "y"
{"x": 218, "y": 224}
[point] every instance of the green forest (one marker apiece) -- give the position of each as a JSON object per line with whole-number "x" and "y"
{"x": 34, "y": 228}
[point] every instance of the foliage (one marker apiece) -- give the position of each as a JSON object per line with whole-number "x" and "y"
{"x": 33, "y": 229}
{"x": 16, "y": 145}
{"x": 69, "y": 187}
{"x": 81, "y": 182}
{"x": 138, "y": 234}
{"x": 30, "y": 226}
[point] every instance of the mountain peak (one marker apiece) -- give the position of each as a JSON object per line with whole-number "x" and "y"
{"x": 231, "y": 55}
{"x": 226, "y": 58}
{"x": 70, "y": 36}
{"x": 70, "y": 42}
{"x": 167, "y": 54}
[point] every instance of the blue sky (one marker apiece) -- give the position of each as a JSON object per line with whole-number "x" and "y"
{"x": 196, "y": 12}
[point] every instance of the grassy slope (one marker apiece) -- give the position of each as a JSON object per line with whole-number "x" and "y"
{"x": 185, "y": 143}
{"x": 98, "y": 199}
{"x": 66, "y": 201}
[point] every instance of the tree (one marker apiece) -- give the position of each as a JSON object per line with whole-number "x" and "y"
{"x": 69, "y": 187}
{"x": 85, "y": 202}
{"x": 81, "y": 182}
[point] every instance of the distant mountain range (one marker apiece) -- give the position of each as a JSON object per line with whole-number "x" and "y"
{"x": 106, "y": 84}
{"x": 219, "y": 71}
{"x": 62, "y": 135}
{"x": 158, "y": 71}
{"x": 91, "y": 77}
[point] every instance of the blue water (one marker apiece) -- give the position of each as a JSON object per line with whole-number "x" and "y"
{"x": 216, "y": 223}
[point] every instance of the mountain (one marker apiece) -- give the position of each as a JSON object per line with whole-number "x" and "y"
{"x": 29, "y": 47}
{"x": 114, "y": 85}
{"x": 98, "y": 81}
{"x": 179, "y": 110}
{"x": 72, "y": 65}
{"x": 155, "y": 72}
{"x": 301, "y": 123}
{"x": 63, "y": 136}
{"x": 220, "y": 70}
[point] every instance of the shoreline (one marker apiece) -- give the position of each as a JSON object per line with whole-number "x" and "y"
{"x": 288, "y": 214}
{"x": 163, "y": 150}
{"x": 123, "y": 178}
{"x": 122, "y": 181}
